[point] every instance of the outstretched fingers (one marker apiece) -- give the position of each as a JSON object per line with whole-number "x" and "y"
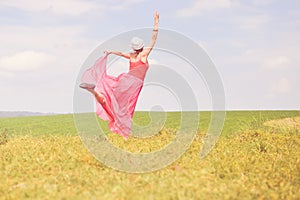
{"x": 156, "y": 17}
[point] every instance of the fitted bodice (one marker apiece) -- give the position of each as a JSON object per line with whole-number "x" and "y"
{"x": 138, "y": 69}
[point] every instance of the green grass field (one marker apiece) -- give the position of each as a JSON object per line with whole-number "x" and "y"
{"x": 255, "y": 158}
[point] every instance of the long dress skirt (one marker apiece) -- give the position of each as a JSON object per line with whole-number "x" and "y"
{"x": 121, "y": 94}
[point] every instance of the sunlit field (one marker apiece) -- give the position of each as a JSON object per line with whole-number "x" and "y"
{"x": 256, "y": 157}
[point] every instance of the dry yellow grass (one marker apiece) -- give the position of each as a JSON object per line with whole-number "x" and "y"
{"x": 43, "y": 158}
{"x": 253, "y": 165}
{"x": 285, "y": 123}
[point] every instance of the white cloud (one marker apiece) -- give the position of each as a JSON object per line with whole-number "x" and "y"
{"x": 201, "y": 6}
{"x": 251, "y": 59}
{"x": 123, "y": 4}
{"x": 69, "y": 7}
{"x": 280, "y": 62}
{"x": 66, "y": 43}
{"x": 6, "y": 74}
{"x": 262, "y": 2}
{"x": 282, "y": 86}
{"x": 253, "y": 22}
{"x": 58, "y": 39}
{"x": 58, "y": 7}
{"x": 25, "y": 61}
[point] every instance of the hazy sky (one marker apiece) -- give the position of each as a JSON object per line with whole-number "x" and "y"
{"x": 254, "y": 44}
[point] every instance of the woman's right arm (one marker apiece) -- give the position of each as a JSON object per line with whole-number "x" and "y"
{"x": 154, "y": 34}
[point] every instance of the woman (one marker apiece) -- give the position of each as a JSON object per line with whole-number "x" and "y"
{"x": 117, "y": 96}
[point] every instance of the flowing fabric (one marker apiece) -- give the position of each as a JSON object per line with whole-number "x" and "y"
{"x": 121, "y": 93}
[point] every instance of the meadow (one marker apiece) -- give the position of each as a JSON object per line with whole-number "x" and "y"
{"x": 256, "y": 157}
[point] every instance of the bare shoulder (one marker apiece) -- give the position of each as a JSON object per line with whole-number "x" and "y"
{"x": 131, "y": 56}
{"x": 144, "y": 56}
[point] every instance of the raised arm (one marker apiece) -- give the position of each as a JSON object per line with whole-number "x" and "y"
{"x": 118, "y": 54}
{"x": 154, "y": 34}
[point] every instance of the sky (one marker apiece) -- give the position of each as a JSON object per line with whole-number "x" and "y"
{"x": 254, "y": 45}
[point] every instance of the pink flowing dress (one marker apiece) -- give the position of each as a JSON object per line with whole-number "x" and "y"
{"x": 121, "y": 93}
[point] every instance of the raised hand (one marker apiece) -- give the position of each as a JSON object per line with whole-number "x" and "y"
{"x": 156, "y": 17}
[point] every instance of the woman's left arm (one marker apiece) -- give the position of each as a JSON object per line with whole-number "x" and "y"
{"x": 118, "y": 53}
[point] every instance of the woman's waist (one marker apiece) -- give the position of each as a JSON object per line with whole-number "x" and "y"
{"x": 138, "y": 74}
{"x": 141, "y": 67}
